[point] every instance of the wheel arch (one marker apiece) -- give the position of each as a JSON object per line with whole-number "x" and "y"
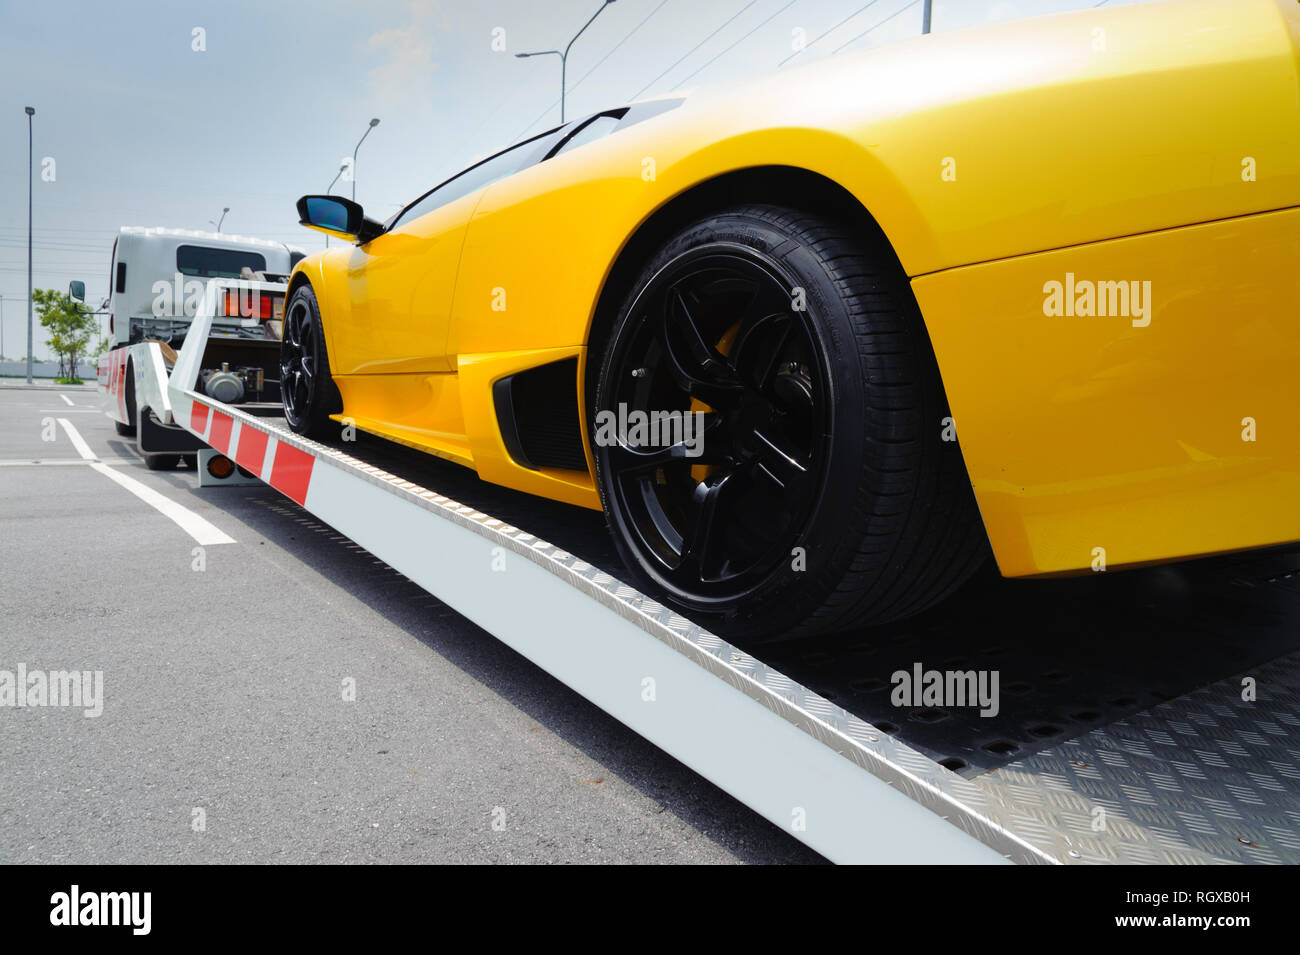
{"x": 298, "y": 279}
{"x": 794, "y": 186}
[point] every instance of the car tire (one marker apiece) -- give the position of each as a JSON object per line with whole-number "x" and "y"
{"x": 307, "y": 389}
{"x": 824, "y": 496}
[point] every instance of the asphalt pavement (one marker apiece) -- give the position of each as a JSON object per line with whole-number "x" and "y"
{"x": 288, "y": 698}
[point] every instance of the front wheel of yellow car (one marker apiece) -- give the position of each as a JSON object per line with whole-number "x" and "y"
{"x": 307, "y": 389}
{"x": 768, "y": 427}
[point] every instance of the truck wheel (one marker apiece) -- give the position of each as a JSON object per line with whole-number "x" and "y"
{"x": 128, "y": 430}
{"x": 307, "y": 389}
{"x": 817, "y": 493}
{"x": 161, "y": 462}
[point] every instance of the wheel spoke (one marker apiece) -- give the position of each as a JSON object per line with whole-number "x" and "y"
{"x": 710, "y": 504}
{"x": 295, "y": 326}
{"x": 767, "y": 363}
{"x": 705, "y": 356}
{"x": 696, "y": 366}
{"x": 780, "y": 466}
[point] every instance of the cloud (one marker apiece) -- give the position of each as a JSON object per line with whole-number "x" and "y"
{"x": 405, "y": 55}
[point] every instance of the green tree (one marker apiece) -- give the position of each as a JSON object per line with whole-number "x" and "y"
{"x": 70, "y": 327}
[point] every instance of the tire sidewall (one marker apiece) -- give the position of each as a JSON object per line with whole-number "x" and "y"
{"x": 317, "y": 413}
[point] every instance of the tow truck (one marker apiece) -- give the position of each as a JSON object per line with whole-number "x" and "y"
{"x": 1106, "y": 746}
{"x": 157, "y": 278}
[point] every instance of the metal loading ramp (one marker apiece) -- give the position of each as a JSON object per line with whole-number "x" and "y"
{"x": 1195, "y": 775}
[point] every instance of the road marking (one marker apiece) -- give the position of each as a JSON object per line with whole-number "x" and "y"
{"x": 56, "y": 461}
{"x": 77, "y": 440}
{"x": 68, "y": 400}
{"x": 203, "y": 532}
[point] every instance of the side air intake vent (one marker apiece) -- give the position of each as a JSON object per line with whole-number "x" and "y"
{"x": 537, "y": 411}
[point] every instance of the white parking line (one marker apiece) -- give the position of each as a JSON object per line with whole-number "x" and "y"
{"x": 203, "y": 532}
{"x": 68, "y": 400}
{"x": 77, "y": 440}
{"x": 55, "y": 461}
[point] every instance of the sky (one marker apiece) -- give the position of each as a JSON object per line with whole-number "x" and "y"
{"x": 164, "y": 112}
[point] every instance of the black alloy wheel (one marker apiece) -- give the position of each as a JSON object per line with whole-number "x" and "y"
{"x": 722, "y": 502}
{"x": 307, "y": 389}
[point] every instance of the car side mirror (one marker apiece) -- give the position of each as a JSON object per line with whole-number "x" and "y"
{"x": 338, "y": 217}
{"x": 77, "y": 290}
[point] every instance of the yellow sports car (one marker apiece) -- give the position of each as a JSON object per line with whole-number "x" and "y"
{"x": 816, "y": 343}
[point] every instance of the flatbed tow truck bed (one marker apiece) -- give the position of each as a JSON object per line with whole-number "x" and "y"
{"x": 1151, "y": 716}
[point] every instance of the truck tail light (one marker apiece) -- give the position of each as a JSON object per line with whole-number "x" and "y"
{"x": 243, "y": 306}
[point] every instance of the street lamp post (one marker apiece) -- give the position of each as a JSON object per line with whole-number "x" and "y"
{"x": 2, "y": 327}
{"x": 31, "y": 111}
{"x": 373, "y": 124}
{"x": 222, "y": 219}
{"x": 564, "y": 57}
{"x": 524, "y": 56}
{"x": 342, "y": 166}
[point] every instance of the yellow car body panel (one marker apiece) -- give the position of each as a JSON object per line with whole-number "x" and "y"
{"x": 1154, "y": 142}
{"x": 1116, "y": 439}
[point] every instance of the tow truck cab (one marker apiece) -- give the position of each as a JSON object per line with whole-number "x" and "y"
{"x": 158, "y": 280}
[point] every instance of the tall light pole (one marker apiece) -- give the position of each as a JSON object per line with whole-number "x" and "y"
{"x": 31, "y": 288}
{"x": 222, "y": 219}
{"x": 342, "y": 166}
{"x": 373, "y": 124}
{"x": 2, "y": 327}
{"x": 524, "y": 56}
{"x": 564, "y": 57}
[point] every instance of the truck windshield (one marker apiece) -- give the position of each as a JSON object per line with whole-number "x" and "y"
{"x": 216, "y": 263}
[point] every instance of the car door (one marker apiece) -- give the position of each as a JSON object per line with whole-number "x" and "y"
{"x": 401, "y": 282}
{"x": 400, "y": 285}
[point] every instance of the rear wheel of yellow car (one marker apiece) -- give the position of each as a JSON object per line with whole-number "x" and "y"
{"x": 798, "y": 481}
{"x": 307, "y": 389}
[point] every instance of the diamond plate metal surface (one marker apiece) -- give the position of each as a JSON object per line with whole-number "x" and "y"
{"x": 1205, "y": 778}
